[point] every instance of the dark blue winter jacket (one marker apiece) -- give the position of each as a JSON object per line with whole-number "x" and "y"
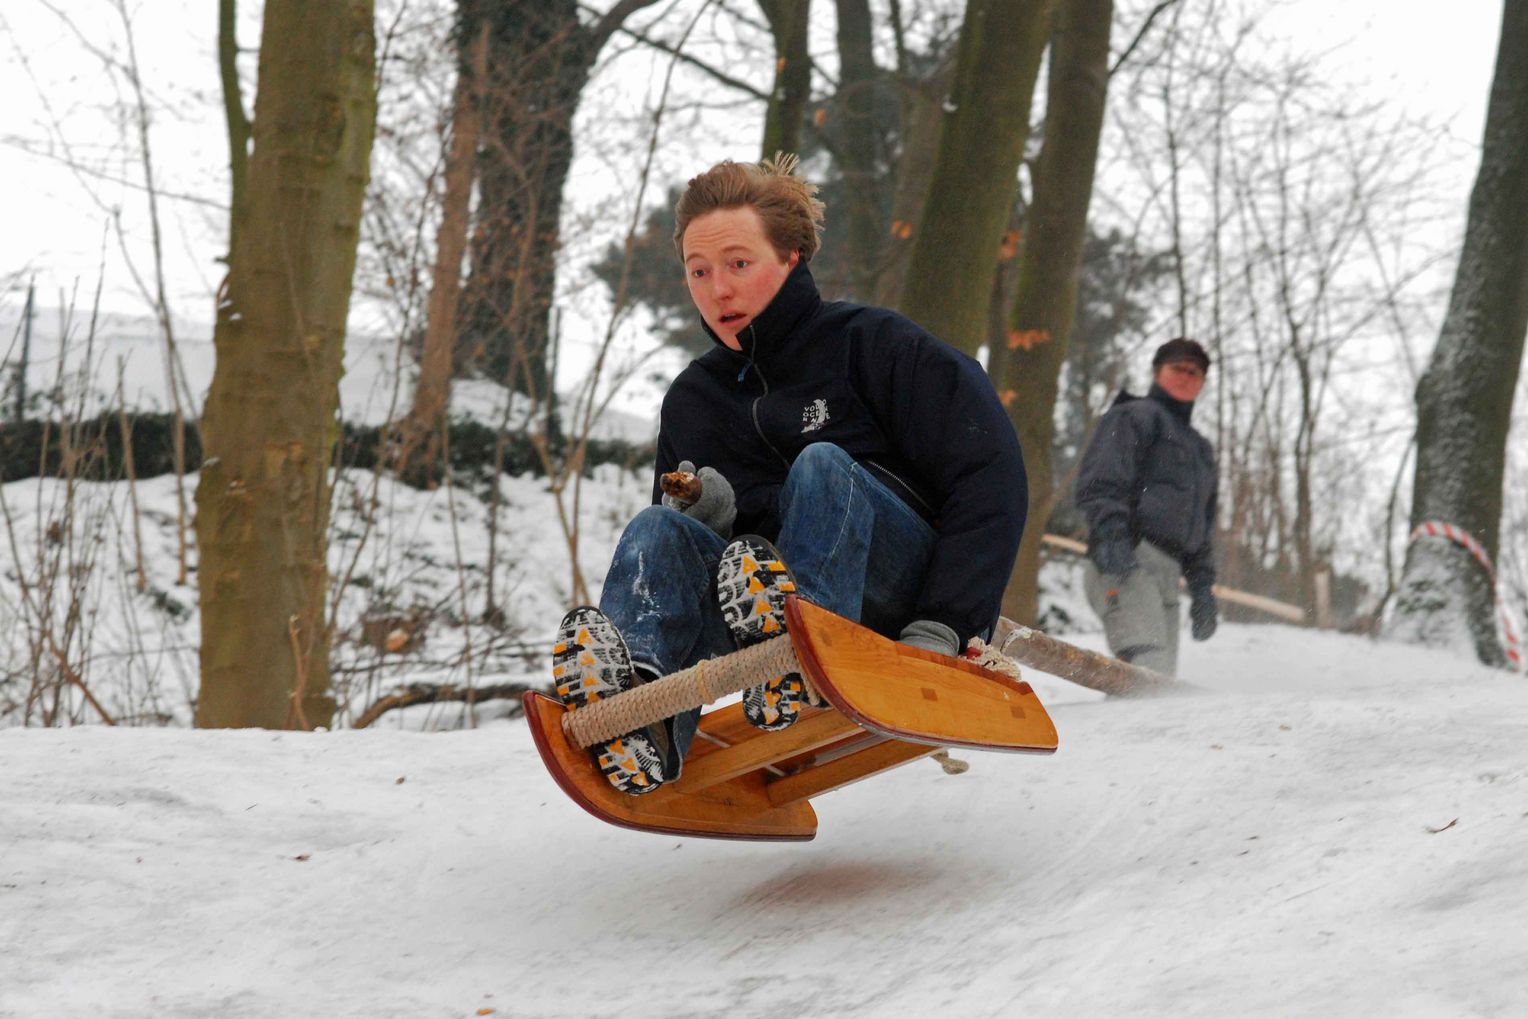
{"x": 915, "y": 412}
{"x": 1148, "y": 474}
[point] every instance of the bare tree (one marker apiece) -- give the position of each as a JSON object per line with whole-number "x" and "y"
{"x": 1464, "y": 401}
{"x": 986, "y": 123}
{"x": 263, "y": 497}
{"x": 1050, "y": 267}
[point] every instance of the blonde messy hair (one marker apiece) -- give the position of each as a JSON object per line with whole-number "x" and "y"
{"x": 787, "y": 204}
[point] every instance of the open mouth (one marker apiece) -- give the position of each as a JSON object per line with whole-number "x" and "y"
{"x": 731, "y": 317}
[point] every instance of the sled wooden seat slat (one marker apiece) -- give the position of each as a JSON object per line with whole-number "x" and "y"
{"x": 720, "y": 764}
{"x": 888, "y": 704}
{"x": 837, "y": 773}
{"x": 851, "y": 744}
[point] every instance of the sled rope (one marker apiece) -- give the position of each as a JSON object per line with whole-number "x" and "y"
{"x": 1459, "y": 536}
{"x": 694, "y": 687}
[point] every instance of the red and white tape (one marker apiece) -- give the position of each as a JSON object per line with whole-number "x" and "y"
{"x": 1458, "y": 535}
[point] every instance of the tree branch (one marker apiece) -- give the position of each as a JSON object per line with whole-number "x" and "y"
{"x": 432, "y": 693}
{"x": 1140, "y": 35}
{"x": 607, "y": 25}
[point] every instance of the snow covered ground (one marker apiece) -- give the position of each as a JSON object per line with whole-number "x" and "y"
{"x": 1328, "y": 827}
{"x": 1324, "y": 826}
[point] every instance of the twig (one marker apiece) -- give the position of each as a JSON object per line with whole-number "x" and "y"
{"x": 431, "y": 693}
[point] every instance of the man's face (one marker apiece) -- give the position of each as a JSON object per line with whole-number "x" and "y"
{"x": 732, "y": 270}
{"x": 1181, "y": 379}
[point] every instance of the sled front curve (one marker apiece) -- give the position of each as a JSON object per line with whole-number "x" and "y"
{"x": 911, "y": 694}
{"x": 738, "y": 808}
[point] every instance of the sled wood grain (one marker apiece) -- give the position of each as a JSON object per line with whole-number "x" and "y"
{"x": 911, "y": 694}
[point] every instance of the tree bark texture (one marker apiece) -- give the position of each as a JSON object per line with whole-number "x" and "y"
{"x": 922, "y": 117}
{"x": 1464, "y": 400}
{"x": 788, "y": 22}
{"x": 271, "y": 414}
{"x": 857, "y": 81}
{"x": 1050, "y": 267}
{"x": 423, "y": 430}
{"x": 539, "y": 58}
{"x": 233, "y": 109}
{"x": 986, "y": 124}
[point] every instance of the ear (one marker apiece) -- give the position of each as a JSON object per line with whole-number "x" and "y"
{"x": 794, "y": 258}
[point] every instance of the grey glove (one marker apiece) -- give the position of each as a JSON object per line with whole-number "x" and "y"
{"x": 716, "y": 507}
{"x": 931, "y": 636}
{"x": 1114, "y": 556}
{"x": 1202, "y": 613}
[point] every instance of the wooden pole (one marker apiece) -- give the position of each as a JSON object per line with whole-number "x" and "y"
{"x": 1030, "y": 647}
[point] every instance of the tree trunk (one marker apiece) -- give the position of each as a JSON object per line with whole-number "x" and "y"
{"x": 922, "y": 116}
{"x": 1050, "y": 267}
{"x": 986, "y": 124}
{"x": 270, "y": 418}
{"x": 539, "y": 59}
{"x": 1464, "y": 401}
{"x": 538, "y": 62}
{"x": 857, "y": 153}
{"x": 423, "y": 429}
{"x": 788, "y": 21}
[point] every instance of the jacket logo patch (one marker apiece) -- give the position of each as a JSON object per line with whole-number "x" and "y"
{"x": 814, "y": 416}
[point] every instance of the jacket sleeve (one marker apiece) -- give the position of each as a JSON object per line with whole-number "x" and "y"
{"x": 1199, "y": 567}
{"x": 1110, "y": 472}
{"x": 944, "y": 419}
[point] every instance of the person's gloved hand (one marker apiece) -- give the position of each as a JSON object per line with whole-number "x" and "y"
{"x": 716, "y": 507}
{"x": 931, "y": 636}
{"x": 1202, "y": 612}
{"x": 1115, "y": 556}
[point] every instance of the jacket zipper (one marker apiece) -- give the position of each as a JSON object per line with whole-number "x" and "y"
{"x": 754, "y": 407}
{"x": 905, "y": 486}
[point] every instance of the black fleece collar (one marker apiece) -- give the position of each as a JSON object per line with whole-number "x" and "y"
{"x": 1181, "y": 409}
{"x": 768, "y": 336}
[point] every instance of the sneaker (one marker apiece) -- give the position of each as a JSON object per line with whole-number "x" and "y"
{"x": 751, "y": 584}
{"x": 590, "y": 662}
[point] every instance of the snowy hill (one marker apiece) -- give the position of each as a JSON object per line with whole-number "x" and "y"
{"x": 1329, "y": 826}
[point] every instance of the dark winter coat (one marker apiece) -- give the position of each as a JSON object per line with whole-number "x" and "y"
{"x": 1148, "y": 474}
{"x": 918, "y": 414}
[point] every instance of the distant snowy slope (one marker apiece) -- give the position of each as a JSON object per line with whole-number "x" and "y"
{"x": 1329, "y": 827}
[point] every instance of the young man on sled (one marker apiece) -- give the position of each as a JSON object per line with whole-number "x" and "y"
{"x": 843, "y": 440}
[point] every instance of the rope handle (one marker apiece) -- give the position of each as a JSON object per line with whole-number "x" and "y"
{"x": 694, "y": 687}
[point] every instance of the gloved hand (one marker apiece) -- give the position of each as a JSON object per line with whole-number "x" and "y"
{"x": 716, "y": 507}
{"x": 931, "y": 636}
{"x": 1202, "y": 611}
{"x": 1114, "y": 556}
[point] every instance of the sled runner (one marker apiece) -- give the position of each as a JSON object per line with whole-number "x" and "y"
{"x": 887, "y": 704}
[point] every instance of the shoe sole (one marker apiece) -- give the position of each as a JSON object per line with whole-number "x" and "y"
{"x": 751, "y": 584}
{"x": 590, "y": 662}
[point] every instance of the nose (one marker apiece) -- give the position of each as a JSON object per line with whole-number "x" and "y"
{"x": 721, "y": 286}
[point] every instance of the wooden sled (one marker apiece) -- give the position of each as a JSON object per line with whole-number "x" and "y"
{"x": 888, "y": 704}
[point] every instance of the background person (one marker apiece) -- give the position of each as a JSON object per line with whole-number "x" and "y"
{"x": 1147, "y": 485}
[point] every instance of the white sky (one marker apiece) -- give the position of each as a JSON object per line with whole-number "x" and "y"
{"x": 59, "y": 225}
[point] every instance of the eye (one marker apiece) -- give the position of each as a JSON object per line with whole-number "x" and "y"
{"x": 740, "y": 263}
{"x": 697, "y": 274}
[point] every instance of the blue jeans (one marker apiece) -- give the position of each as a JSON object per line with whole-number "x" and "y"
{"x": 854, "y": 547}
